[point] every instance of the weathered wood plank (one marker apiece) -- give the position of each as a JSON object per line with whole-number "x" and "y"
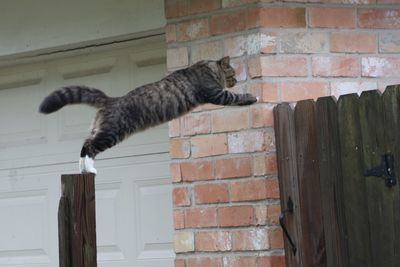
{"x": 354, "y": 192}
{"x": 287, "y": 174}
{"x": 331, "y": 182}
{"x": 64, "y": 234}
{"x": 78, "y": 192}
{"x": 313, "y": 243}
{"x": 391, "y": 111}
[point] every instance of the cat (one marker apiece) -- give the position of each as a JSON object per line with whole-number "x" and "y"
{"x": 148, "y": 105}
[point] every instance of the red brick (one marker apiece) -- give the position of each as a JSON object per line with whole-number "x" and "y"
{"x": 170, "y": 33}
{"x": 259, "y": 166}
{"x": 204, "y": 262}
{"x": 193, "y": 124}
{"x": 200, "y": 6}
{"x": 295, "y": 91}
{"x": 353, "y": 42}
{"x": 273, "y": 212}
{"x": 180, "y": 197}
{"x": 262, "y": 116}
{"x": 213, "y": 241}
{"x": 250, "y": 239}
{"x": 177, "y": 57}
{"x": 248, "y": 190}
{"x": 175, "y": 171}
{"x": 192, "y": 30}
{"x": 321, "y": 17}
{"x": 246, "y": 141}
{"x": 389, "y": 42}
{"x": 179, "y": 263}
{"x": 200, "y": 217}
{"x": 211, "y": 193}
{"x": 232, "y": 167}
{"x": 275, "y": 238}
{"x": 269, "y": 139}
{"x": 174, "y": 128}
{"x": 349, "y": 87}
{"x": 304, "y": 42}
{"x": 179, "y": 219}
{"x": 380, "y": 66}
{"x": 271, "y": 165}
{"x": 236, "y": 216}
{"x": 240, "y": 261}
{"x": 267, "y": 42}
{"x": 206, "y": 51}
{"x": 260, "y": 214}
{"x": 197, "y": 170}
{"x": 254, "y": 67}
{"x": 272, "y": 186}
{"x": 280, "y": 66}
{"x": 230, "y": 120}
{"x": 208, "y": 145}
{"x": 253, "y": 18}
{"x": 335, "y": 66}
{"x": 179, "y": 148}
{"x": 283, "y": 17}
{"x": 379, "y": 18}
{"x": 176, "y": 8}
{"x": 229, "y": 22}
{"x": 269, "y": 92}
{"x": 271, "y": 261}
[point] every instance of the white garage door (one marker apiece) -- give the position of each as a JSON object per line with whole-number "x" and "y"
{"x": 133, "y": 191}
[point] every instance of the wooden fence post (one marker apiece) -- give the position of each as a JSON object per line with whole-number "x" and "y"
{"x": 77, "y": 221}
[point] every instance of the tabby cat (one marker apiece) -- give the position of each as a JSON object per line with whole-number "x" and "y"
{"x": 147, "y": 105}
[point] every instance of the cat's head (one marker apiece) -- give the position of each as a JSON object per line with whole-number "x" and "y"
{"x": 227, "y": 72}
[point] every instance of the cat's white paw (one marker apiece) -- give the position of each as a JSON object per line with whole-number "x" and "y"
{"x": 258, "y": 99}
{"x": 86, "y": 165}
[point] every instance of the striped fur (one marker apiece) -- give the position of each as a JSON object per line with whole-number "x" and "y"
{"x": 151, "y": 104}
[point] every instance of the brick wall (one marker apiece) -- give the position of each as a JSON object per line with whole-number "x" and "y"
{"x": 225, "y": 196}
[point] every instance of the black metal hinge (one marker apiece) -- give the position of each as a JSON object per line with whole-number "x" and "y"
{"x": 385, "y": 170}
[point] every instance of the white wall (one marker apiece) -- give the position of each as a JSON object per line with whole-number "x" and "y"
{"x": 29, "y": 27}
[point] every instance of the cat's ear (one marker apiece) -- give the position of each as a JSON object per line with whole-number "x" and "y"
{"x": 224, "y": 61}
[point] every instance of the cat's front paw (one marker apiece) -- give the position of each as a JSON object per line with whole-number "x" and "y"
{"x": 86, "y": 165}
{"x": 248, "y": 99}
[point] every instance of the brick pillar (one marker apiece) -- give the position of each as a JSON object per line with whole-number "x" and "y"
{"x": 225, "y": 196}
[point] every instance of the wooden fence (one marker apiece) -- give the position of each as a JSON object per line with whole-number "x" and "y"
{"x": 337, "y": 166}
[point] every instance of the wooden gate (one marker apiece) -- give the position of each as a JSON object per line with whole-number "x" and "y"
{"x": 337, "y": 166}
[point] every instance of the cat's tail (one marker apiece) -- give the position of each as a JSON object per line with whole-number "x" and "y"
{"x": 73, "y": 95}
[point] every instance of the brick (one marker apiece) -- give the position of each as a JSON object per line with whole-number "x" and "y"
{"x": 192, "y": 30}
{"x": 273, "y": 212}
{"x": 326, "y": 17}
{"x": 388, "y": 2}
{"x": 200, "y": 217}
{"x": 379, "y": 18}
{"x": 269, "y": 92}
{"x": 389, "y": 42}
{"x": 197, "y": 170}
{"x": 179, "y": 148}
{"x": 176, "y": 8}
{"x": 174, "y": 128}
{"x": 283, "y": 17}
{"x": 292, "y": 91}
{"x": 271, "y": 164}
{"x": 180, "y": 197}
{"x": 230, "y": 120}
{"x": 207, "y": 51}
{"x": 267, "y": 43}
{"x": 281, "y": 66}
{"x": 235, "y": 46}
{"x": 272, "y": 187}
{"x": 246, "y": 141}
{"x": 253, "y": 18}
{"x": 240, "y": 261}
{"x": 229, "y": 22}
{"x": 213, "y": 241}
{"x": 250, "y": 239}
{"x": 262, "y": 116}
{"x": 353, "y": 42}
{"x": 248, "y": 190}
{"x": 304, "y": 42}
{"x": 349, "y": 87}
{"x": 271, "y": 261}
{"x": 193, "y": 124}
{"x": 183, "y": 242}
{"x": 200, "y": 6}
{"x": 232, "y": 167}
{"x": 335, "y": 66}
{"x": 211, "y": 193}
{"x": 269, "y": 139}
{"x": 177, "y": 57}
{"x": 380, "y": 66}
{"x": 179, "y": 263}
{"x": 260, "y": 214}
{"x": 234, "y": 3}
{"x": 175, "y": 171}
{"x": 204, "y": 261}
{"x": 254, "y": 67}
{"x": 259, "y": 166}
{"x": 236, "y": 216}
{"x": 208, "y": 145}
{"x": 179, "y": 219}
{"x": 170, "y": 33}
{"x": 275, "y": 238}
